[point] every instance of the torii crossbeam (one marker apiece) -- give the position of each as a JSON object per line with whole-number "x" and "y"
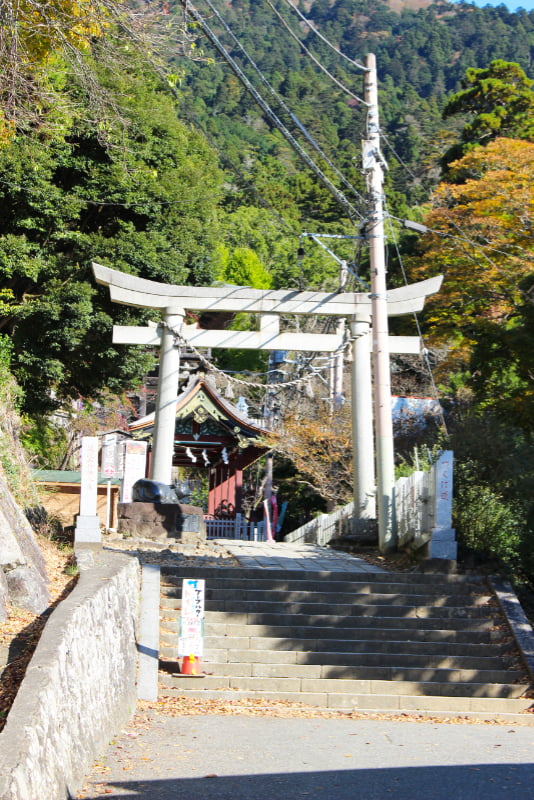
{"x": 174, "y": 301}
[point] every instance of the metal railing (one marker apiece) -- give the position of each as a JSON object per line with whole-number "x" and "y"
{"x": 238, "y": 528}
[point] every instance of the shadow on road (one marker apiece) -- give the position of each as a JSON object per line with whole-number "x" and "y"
{"x": 466, "y": 782}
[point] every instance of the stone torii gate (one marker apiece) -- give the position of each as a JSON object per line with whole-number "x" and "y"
{"x": 174, "y": 301}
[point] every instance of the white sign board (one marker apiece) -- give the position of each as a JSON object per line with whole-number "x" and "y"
{"x": 134, "y": 467}
{"x": 89, "y": 476}
{"x": 443, "y": 490}
{"x": 191, "y": 638}
{"x": 109, "y": 455}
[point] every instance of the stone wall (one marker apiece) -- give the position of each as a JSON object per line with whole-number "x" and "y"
{"x": 80, "y": 684}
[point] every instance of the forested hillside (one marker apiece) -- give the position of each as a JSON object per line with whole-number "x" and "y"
{"x": 128, "y": 139}
{"x": 422, "y": 56}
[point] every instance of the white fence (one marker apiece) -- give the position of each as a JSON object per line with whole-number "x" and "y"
{"x": 414, "y": 508}
{"x": 324, "y": 528}
{"x": 423, "y": 507}
{"x": 237, "y": 528}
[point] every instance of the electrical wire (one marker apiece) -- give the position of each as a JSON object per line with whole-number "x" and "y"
{"x": 424, "y": 351}
{"x": 313, "y": 58}
{"x": 350, "y": 209}
{"x": 463, "y": 238}
{"x": 284, "y": 105}
{"x": 397, "y": 156}
{"x": 312, "y": 27}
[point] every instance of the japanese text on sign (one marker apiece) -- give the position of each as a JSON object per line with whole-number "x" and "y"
{"x": 191, "y": 638}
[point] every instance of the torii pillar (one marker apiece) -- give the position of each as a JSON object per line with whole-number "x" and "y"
{"x": 169, "y": 370}
{"x": 357, "y": 306}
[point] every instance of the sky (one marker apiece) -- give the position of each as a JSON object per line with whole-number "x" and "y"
{"x": 512, "y": 5}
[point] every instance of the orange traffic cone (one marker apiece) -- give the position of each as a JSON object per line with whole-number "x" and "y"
{"x": 190, "y": 665}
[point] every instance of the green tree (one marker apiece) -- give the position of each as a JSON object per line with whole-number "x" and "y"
{"x": 499, "y": 100}
{"x": 42, "y": 44}
{"x": 147, "y": 205}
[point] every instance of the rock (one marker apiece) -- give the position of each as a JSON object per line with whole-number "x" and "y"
{"x": 23, "y": 578}
{"x": 13, "y": 521}
{"x": 161, "y": 522}
{"x": 27, "y": 589}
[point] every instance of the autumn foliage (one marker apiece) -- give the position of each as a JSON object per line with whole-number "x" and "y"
{"x": 482, "y": 241}
{"x": 319, "y": 445}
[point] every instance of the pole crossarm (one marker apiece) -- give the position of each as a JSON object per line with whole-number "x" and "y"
{"x": 142, "y": 293}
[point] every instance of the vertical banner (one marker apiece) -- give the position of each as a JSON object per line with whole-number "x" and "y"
{"x": 89, "y": 476}
{"x": 191, "y": 636}
{"x": 134, "y": 467}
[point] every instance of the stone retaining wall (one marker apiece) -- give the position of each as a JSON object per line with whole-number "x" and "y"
{"x": 79, "y": 686}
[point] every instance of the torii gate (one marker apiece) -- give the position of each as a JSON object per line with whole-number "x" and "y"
{"x": 174, "y": 301}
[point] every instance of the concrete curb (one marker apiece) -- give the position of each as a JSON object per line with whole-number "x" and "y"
{"x": 148, "y": 645}
{"x": 517, "y": 620}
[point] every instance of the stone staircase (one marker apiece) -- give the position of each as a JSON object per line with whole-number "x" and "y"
{"x": 383, "y": 641}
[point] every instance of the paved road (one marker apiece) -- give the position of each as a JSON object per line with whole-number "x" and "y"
{"x": 296, "y": 556}
{"x": 263, "y": 758}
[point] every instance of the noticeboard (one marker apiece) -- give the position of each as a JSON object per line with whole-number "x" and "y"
{"x": 191, "y": 636}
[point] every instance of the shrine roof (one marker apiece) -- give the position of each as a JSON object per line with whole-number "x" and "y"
{"x": 201, "y": 395}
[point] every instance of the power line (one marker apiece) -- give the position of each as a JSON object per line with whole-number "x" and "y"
{"x": 349, "y": 208}
{"x": 397, "y": 156}
{"x": 312, "y": 27}
{"x": 284, "y": 106}
{"x": 424, "y": 351}
{"x": 420, "y": 228}
{"x": 313, "y": 58}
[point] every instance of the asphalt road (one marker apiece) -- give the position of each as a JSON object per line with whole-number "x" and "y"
{"x": 215, "y": 757}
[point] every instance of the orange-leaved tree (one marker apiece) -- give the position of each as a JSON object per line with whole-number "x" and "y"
{"x": 482, "y": 241}
{"x": 319, "y": 445}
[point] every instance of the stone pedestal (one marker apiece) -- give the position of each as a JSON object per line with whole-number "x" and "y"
{"x": 162, "y": 522}
{"x": 88, "y": 523}
{"x": 443, "y": 544}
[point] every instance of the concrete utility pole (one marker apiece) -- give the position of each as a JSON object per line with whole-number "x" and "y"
{"x": 373, "y": 164}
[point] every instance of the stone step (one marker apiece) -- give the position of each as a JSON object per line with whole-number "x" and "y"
{"x": 345, "y": 688}
{"x": 265, "y": 637}
{"x": 314, "y": 613}
{"x": 394, "y": 658}
{"x": 221, "y": 597}
{"x": 275, "y": 621}
{"x": 384, "y": 646}
{"x": 476, "y": 633}
{"x": 362, "y": 586}
{"x": 481, "y": 708}
{"x": 363, "y": 666}
{"x": 257, "y": 576}
{"x": 346, "y": 641}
